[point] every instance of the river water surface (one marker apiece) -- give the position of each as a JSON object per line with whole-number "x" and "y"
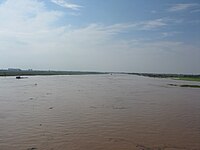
{"x": 98, "y": 112}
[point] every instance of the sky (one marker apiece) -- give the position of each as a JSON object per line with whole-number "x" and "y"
{"x": 157, "y": 36}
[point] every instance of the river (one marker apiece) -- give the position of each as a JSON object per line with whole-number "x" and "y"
{"x": 98, "y": 112}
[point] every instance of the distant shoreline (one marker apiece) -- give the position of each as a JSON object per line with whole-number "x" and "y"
{"x": 186, "y": 77}
{"x": 38, "y": 72}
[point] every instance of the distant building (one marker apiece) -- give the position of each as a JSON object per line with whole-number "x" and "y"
{"x": 14, "y": 69}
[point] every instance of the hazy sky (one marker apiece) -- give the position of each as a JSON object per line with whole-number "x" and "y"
{"x": 101, "y": 35}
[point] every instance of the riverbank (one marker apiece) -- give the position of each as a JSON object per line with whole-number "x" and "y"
{"x": 39, "y": 72}
{"x": 185, "y": 77}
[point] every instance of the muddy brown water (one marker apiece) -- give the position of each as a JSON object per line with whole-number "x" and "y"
{"x": 98, "y": 112}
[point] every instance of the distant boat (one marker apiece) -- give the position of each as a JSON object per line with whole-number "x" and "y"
{"x": 19, "y": 77}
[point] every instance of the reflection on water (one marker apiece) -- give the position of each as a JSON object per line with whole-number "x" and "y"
{"x": 98, "y": 112}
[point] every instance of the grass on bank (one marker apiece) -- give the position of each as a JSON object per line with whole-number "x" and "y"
{"x": 185, "y": 85}
{"x": 188, "y": 78}
{"x": 184, "y": 77}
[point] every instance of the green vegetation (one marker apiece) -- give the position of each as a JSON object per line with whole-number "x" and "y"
{"x": 37, "y": 72}
{"x": 173, "y": 76}
{"x": 193, "y": 86}
{"x": 186, "y": 85}
{"x": 188, "y": 78}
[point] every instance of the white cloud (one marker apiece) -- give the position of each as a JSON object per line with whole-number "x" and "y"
{"x": 169, "y": 34}
{"x": 181, "y": 7}
{"x": 195, "y": 11}
{"x": 67, "y": 5}
{"x": 152, "y": 24}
